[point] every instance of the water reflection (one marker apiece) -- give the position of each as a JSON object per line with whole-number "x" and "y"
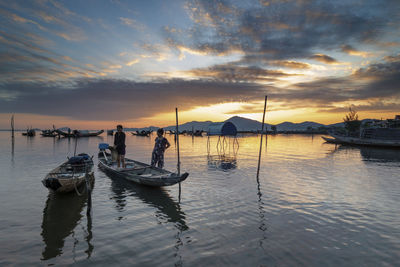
{"x": 226, "y": 153}
{"x": 60, "y": 217}
{"x": 380, "y": 154}
{"x": 167, "y": 209}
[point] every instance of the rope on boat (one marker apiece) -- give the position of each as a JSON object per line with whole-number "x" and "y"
{"x": 76, "y": 189}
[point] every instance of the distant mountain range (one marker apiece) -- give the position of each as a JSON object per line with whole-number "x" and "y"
{"x": 244, "y": 124}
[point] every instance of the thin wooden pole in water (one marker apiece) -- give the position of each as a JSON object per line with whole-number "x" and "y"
{"x": 12, "y": 126}
{"x": 177, "y": 142}
{"x": 262, "y": 132}
{"x": 177, "y": 147}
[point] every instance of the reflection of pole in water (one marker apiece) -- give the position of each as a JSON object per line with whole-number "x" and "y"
{"x": 89, "y": 236}
{"x": 263, "y": 225}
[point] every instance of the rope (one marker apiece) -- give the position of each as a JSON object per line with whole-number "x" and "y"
{"x": 76, "y": 189}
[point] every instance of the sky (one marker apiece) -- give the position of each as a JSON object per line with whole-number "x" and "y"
{"x": 92, "y": 64}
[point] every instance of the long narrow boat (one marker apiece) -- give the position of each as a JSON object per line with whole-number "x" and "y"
{"x": 70, "y": 175}
{"x": 136, "y": 171}
{"x": 79, "y": 133}
{"x": 362, "y": 141}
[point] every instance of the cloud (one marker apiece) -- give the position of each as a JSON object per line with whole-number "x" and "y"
{"x": 132, "y": 62}
{"x": 324, "y": 59}
{"x": 233, "y": 73}
{"x": 110, "y": 99}
{"x": 354, "y": 52}
{"x": 132, "y": 23}
{"x": 116, "y": 99}
{"x": 281, "y": 30}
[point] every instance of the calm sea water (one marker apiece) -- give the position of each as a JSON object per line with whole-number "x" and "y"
{"x": 315, "y": 204}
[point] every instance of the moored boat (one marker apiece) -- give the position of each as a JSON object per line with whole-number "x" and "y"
{"x": 136, "y": 171}
{"x": 142, "y": 133}
{"x": 70, "y": 175}
{"x": 383, "y": 137}
{"x": 29, "y": 132}
{"x": 79, "y": 133}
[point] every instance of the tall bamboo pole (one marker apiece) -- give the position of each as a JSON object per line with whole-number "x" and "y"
{"x": 177, "y": 147}
{"x": 177, "y": 141}
{"x": 262, "y": 132}
{"x": 12, "y": 126}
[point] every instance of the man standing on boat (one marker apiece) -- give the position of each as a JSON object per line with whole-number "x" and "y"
{"x": 161, "y": 144}
{"x": 119, "y": 144}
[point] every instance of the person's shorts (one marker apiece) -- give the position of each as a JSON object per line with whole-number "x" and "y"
{"x": 121, "y": 150}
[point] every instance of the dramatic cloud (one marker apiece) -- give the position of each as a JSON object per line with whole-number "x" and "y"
{"x": 110, "y": 99}
{"x": 233, "y": 73}
{"x": 324, "y": 59}
{"x": 282, "y": 29}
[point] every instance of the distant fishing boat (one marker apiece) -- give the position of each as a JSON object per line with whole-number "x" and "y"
{"x": 110, "y": 132}
{"x": 79, "y": 133}
{"x": 383, "y": 137}
{"x": 136, "y": 171}
{"x": 48, "y": 133}
{"x": 70, "y": 175}
{"x": 29, "y": 132}
{"x": 142, "y": 133}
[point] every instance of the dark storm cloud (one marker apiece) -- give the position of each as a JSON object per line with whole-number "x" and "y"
{"x": 109, "y": 99}
{"x": 234, "y": 73}
{"x": 283, "y": 29}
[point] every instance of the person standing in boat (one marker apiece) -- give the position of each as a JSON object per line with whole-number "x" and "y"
{"x": 161, "y": 144}
{"x": 119, "y": 144}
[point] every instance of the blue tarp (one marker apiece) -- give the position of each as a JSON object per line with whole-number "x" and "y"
{"x": 103, "y": 146}
{"x": 222, "y": 128}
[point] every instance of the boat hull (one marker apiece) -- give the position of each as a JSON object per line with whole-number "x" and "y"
{"x": 141, "y": 173}
{"x": 69, "y": 176}
{"x": 337, "y": 139}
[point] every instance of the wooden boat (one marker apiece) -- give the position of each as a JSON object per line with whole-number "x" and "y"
{"x": 70, "y": 175}
{"x": 142, "y": 133}
{"x": 48, "y": 133}
{"x": 29, "y": 132}
{"x": 136, "y": 171}
{"x": 377, "y": 140}
{"x": 110, "y": 132}
{"x": 79, "y": 133}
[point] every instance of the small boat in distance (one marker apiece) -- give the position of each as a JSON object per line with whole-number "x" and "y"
{"x": 110, "y": 132}
{"x": 70, "y": 175}
{"x": 142, "y": 133}
{"x": 49, "y": 133}
{"x": 29, "y": 132}
{"x": 136, "y": 171}
{"x": 78, "y": 133}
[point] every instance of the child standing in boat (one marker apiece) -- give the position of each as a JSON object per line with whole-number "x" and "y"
{"x": 119, "y": 144}
{"x": 161, "y": 144}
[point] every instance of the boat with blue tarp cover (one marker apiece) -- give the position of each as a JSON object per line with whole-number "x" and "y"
{"x": 136, "y": 171}
{"x": 70, "y": 175}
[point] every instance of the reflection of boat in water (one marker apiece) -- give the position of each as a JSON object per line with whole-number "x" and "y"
{"x": 223, "y": 162}
{"x": 380, "y": 154}
{"x": 168, "y": 210}
{"x": 60, "y": 217}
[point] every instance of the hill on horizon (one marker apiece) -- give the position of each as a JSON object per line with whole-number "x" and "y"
{"x": 245, "y": 124}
